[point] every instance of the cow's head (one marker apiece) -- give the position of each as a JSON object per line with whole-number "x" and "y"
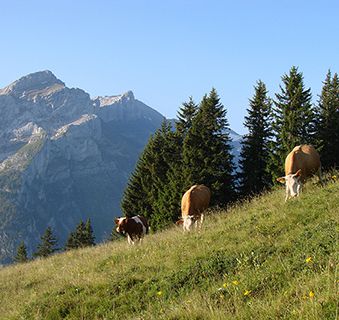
{"x": 293, "y": 183}
{"x": 121, "y": 225}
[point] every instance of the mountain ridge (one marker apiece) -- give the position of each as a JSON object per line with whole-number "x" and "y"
{"x": 64, "y": 157}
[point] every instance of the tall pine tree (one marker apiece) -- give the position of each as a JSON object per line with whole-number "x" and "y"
{"x": 186, "y": 115}
{"x": 176, "y": 185}
{"x": 207, "y": 154}
{"x": 89, "y": 239}
{"x": 21, "y": 255}
{"x": 293, "y": 119}
{"x": 135, "y": 199}
{"x": 254, "y": 174}
{"x": 47, "y": 245}
{"x": 147, "y": 191}
{"x": 328, "y": 125}
{"x": 82, "y": 236}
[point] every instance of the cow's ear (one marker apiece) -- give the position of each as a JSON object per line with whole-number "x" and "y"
{"x": 281, "y": 179}
{"x": 116, "y": 221}
{"x": 298, "y": 173}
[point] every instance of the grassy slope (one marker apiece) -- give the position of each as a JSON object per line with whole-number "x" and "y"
{"x": 262, "y": 245}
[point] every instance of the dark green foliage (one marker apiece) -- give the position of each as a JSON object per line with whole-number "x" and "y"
{"x": 328, "y": 125}
{"x": 47, "y": 245}
{"x": 254, "y": 175}
{"x": 82, "y": 236}
{"x": 167, "y": 186}
{"x": 135, "y": 197}
{"x": 89, "y": 235}
{"x": 207, "y": 154}
{"x": 293, "y": 119}
{"x": 21, "y": 255}
{"x": 186, "y": 115}
{"x": 197, "y": 152}
{"x": 148, "y": 192}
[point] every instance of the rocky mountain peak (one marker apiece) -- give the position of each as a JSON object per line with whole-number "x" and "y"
{"x": 129, "y": 95}
{"x": 33, "y": 82}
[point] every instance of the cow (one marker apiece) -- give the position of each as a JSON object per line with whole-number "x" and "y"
{"x": 135, "y": 228}
{"x": 302, "y": 162}
{"x": 193, "y": 204}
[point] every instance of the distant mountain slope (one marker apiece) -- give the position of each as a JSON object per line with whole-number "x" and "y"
{"x": 64, "y": 156}
{"x": 263, "y": 259}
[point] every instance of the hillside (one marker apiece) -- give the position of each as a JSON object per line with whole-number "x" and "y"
{"x": 263, "y": 259}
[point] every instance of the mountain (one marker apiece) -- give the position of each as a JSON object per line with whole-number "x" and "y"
{"x": 64, "y": 156}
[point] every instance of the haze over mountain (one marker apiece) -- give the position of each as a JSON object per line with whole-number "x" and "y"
{"x": 65, "y": 156}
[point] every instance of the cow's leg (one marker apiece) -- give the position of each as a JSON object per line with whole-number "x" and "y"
{"x": 298, "y": 190}
{"x": 201, "y": 220}
{"x": 196, "y": 224}
{"x": 129, "y": 239}
{"x": 187, "y": 223}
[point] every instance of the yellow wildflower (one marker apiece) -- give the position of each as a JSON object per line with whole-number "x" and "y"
{"x": 308, "y": 259}
{"x": 224, "y": 285}
{"x": 247, "y": 292}
{"x": 334, "y": 178}
{"x": 159, "y": 293}
{"x": 311, "y": 294}
{"x": 235, "y": 282}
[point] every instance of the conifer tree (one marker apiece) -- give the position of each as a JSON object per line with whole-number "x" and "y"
{"x": 89, "y": 235}
{"x": 47, "y": 245}
{"x": 253, "y": 163}
{"x": 175, "y": 187}
{"x": 71, "y": 242}
{"x": 328, "y": 125}
{"x": 207, "y": 151}
{"x": 21, "y": 255}
{"x": 148, "y": 192}
{"x": 185, "y": 116}
{"x": 82, "y": 236}
{"x": 135, "y": 199}
{"x": 293, "y": 119}
{"x": 168, "y": 185}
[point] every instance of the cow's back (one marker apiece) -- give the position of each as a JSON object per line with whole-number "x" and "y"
{"x": 195, "y": 200}
{"x": 303, "y": 157}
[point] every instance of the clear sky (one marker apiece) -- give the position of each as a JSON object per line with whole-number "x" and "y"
{"x": 166, "y": 51}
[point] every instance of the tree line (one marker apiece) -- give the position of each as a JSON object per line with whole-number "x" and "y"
{"x": 81, "y": 237}
{"x": 197, "y": 148}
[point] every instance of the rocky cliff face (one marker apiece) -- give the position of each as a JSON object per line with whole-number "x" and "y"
{"x": 64, "y": 157}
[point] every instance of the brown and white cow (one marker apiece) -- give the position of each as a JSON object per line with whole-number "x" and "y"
{"x": 302, "y": 162}
{"x": 193, "y": 204}
{"x": 135, "y": 228}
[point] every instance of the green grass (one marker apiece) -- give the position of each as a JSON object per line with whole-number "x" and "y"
{"x": 259, "y": 246}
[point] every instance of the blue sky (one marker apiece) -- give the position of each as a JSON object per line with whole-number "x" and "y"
{"x": 166, "y": 51}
